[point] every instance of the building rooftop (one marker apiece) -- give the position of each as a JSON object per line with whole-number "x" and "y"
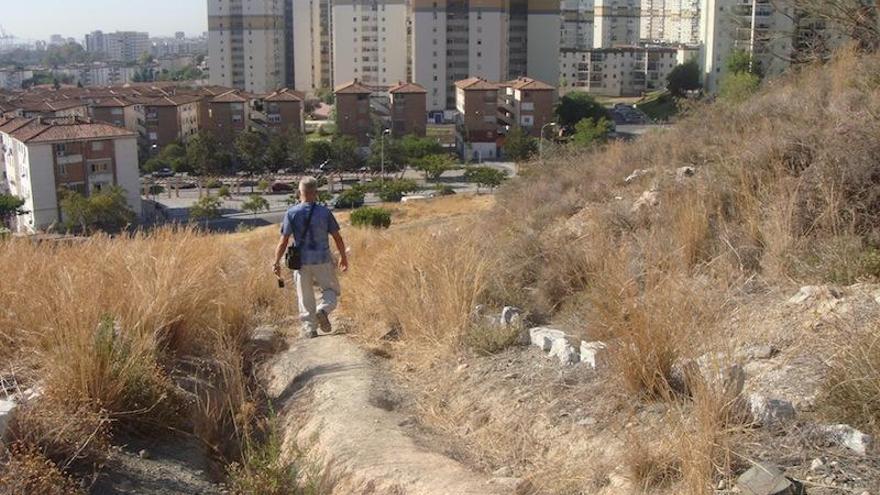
{"x": 529, "y": 84}
{"x": 353, "y": 87}
{"x": 475, "y": 83}
{"x": 285, "y": 94}
{"x": 407, "y": 87}
{"x": 232, "y": 96}
{"x": 59, "y": 129}
{"x": 113, "y": 102}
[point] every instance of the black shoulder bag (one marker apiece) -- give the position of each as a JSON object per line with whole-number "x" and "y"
{"x": 293, "y": 257}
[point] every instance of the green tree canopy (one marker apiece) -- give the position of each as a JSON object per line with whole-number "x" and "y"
{"x": 345, "y": 154}
{"x": 433, "y": 166}
{"x": 519, "y": 146}
{"x": 250, "y": 148}
{"x": 684, "y": 78}
{"x": 395, "y": 155}
{"x": 577, "y": 106}
{"x": 317, "y": 152}
{"x": 205, "y": 208}
{"x": 10, "y": 206}
{"x": 487, "y": 177}
{"x": 738, "y": 87}
{"x": 588, "y": 132}
{"x": 419, "y": 147}
{"x": 255, "y": 204}
{"x": 202, "y": 155}
{"x": 106, "y": 210}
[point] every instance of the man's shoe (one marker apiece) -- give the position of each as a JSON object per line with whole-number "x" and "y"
{"x": 324, "y": 321}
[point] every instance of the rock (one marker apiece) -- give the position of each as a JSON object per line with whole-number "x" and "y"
{"x": 683, "y": 173}
{"x": 591, "y": 353}
{"x": 265, "y": 339}
{"x": 7, "y": 408}
{"x": 647, "y": 199}
{"x": 764, "y": 479}
{"x": 588, "y": 421}
{"x": 508, "y": 314}
{"x": 144, "y": 454}
{"x": 32, "y": 393}
{"x": 503, "y": 472}
{"x": 849, "y": 437}
{"x": 514, "y": 486}
{"x": 544, "y": 337}
{"x": 761, "y": 352}
{"x": 770, "y": 412}
{"x": 817, "y": 464}
{"x": 393, "y": 334}
{"x": 461, "y": 367}
{"x": 636, "y": 174}
{"x": 565, "y": 352}
{"x": 810, "y": 293}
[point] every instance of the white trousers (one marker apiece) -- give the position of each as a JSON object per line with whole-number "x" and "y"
{"x": 308, "y": 277}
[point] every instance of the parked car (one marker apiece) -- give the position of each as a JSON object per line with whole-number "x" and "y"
{"x": 280, "y": 187}
{"x": 164, "y": 172}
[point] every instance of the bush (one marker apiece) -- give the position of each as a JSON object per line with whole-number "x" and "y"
{"x": 205, "y": 208}
{"x": 445, "y": 190}
{"x": 393, "y": 191}
{"x": 379, "y": 218}
{"x": 214, "y": 184}
{"x": 255, "y": 204}
{"x": 106, "y": 210}
{"x": 487, "y": 177}
{"x": 352, "y": 198}
{"x": 224, "y": 192}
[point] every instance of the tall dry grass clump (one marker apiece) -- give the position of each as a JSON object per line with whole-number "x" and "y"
{"x": 104, "y": 324}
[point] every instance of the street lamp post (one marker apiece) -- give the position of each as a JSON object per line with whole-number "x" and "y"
{"x": 541, "y": 140}
{"x": 382, "y": 147}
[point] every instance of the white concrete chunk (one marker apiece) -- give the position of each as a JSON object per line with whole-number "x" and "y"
{"x": 508, "y": 314}
{"x": 544, "y": 337}
{"x": 849, "y": 437}
{"x": 590, "y": 353}
{"x": 7, "y": 407}
{"x": 565, "y": 352}
{"x": 770, "y": 412}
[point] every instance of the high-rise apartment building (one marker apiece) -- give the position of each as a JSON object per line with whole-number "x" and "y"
{"x": 312, "y": 28}
{"x": 671, "y": 21}
{"x": 616, "y": 23}
{"x": 247, "y": 44}
{"x": 369, "y": 41}
{"x": 453, "y": 40}
{"x": 126, "y": 45}
{"x": 763, "y": 28}
{"x": 95, "y": 42}
{"x": 577, "y": 25}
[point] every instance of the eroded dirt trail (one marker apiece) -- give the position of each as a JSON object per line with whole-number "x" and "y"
{"x": 343, "y": 426}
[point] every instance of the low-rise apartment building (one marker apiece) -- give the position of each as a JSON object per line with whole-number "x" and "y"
{"x": 622, "y": 71}
{"x": 476, "y": 101}
{"x": 281, "y": 111}
{"x": 408, "y": 109}
{"x": 43, "y": 156}
{"x": 353, "y": 111}
{"x": 526, "y": 103}
{"x": 228, "y": 115}
{"x": 168, "y": 119}
{"x": 120, "y": 112}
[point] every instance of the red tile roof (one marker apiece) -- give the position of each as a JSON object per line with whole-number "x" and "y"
{"x": 56, "y": 129}
{"x": 353, "y": 87}
{"x": 529, "y": 83}
{"x": 232, "y": 96}
{"x": 402, "y": 88}
{"x": 475, "y": 83}
{"x": 285, "y": 94}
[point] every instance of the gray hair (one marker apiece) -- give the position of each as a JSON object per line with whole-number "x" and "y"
{"x": 308, "y": 184}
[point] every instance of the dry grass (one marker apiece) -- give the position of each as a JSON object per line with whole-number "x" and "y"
{"x": 103, "y": 324}
{"x": 27, "y": 471}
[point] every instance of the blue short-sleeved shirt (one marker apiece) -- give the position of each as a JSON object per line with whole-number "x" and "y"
{"x": 315, "y": 245}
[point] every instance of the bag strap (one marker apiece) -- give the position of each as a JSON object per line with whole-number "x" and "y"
{"x": 308, "y": 223}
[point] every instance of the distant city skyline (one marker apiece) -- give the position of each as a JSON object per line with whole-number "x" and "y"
{"x": 39, "y": 20}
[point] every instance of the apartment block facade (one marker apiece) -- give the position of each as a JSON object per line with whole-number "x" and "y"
{"x": 45, "y": 155}
{"x": 408, "y": 109}
{"x": 247, "y": 44}
{"x": 456, "y": 39}
{"x": 622, "y": 71}
{"x": 281, "y": 111}
{"x": 369, "y": 41}
{"x": 353, "y": 117}
{"x": 312, "y": 28}
{"x": 671, "y": 21}
{"x": 169, "y": 119}
{"x": 526, "y": 103}
{"x": 616, "y": 23}
{"x": 476, "y": 101}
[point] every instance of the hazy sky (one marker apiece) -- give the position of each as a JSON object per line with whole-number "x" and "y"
{"x": 39, "y": 19}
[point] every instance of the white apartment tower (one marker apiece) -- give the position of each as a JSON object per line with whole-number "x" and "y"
{"x": 247, "y": 44}
{"x": 312, "y": 27}
{"x": 369, "y": 42}
{"x": 616, "y": 23}
{"x": 577, "y": 25}
{"x": 496, "y": 40}
{"x": 671, "y": 21}
{"x": 757, "y": 27}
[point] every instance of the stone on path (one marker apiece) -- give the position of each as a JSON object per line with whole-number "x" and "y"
{"x": 770, "y": 412}
{"x": 565, "y": 352}
{"x": 7, "y": 407}
{"x": 591, "y": 353}
{"x": 849, "y": 437}
{"x": 509, "y": 314}
{"x": 764, "y": 479}
{"x": 544, "y": 337}
{"x": 514, "y": 486}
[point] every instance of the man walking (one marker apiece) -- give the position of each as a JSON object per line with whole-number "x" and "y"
{"x": 310, "y": 224}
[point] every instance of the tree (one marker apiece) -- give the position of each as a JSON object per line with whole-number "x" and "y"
{"x": 202, "y": 155}
{"x": 255, "y": 204}
{"x": 433, "y": 166}
{"x": 10, "y": 206}
{"x": 587, "y": 132}
{"x": 345, "y": 154}
{"x": 296, "y": 152}
{"x": 317, "y": 152}
{"x": 519, "y": 146}
{"x": 418, "y": 147}
{"x": 105, "y": 210}
{"x": 738, "y": 87}
{"x": 393, "y": 191}
{"x": 577, "y": 106}
{"x": 684, "y": 78}
{"x": 485, "y": 177}
{"x": 205, "y": 208}
{"x": 395, "y": 155}
{"x": 250, "y": 147}
{"x": 277, "y": 156}
{"x": 854, "y": 19}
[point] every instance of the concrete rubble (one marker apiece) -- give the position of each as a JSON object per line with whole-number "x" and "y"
{"x": 764, "y": 479}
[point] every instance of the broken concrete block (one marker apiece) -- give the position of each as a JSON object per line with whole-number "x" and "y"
{"x": 514, "y": 486}
{"x": 636, "y": 174}
{"x": 814, "y": 292}
{"x": 770, "y": 412}
{"x": 764, "y": 479}
{"x": 508, "y": 314}
{"x": 565, "y": 352}
{"x": 7, "y": 407}
{"x": 544, "y": 337}
{"x": 647, "y": 199}
{"x": 849, "y": 437}
{"x": 591, "y": 353}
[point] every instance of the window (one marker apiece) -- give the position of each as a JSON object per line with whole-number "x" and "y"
{"x": 97, "y": 145}
{"x": 154, "y": 136}
{"x": 99, "y": 168}
{"x": 62, "y": 170}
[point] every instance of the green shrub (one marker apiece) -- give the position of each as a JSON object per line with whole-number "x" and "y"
{"x": 490, "y": 339}
{"x": 224, "y": 192}
{"x": 205, "y": 208}
{"x": 379, "y": 218}
{"x": 393, "y": 191}
{"x": 214, "y": 184}
{"x": 445, "y": 190}
{"x": 352, "y": 198}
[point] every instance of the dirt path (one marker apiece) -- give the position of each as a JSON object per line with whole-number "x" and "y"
{"x": 349, "y": 428}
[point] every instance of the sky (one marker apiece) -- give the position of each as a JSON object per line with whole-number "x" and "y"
{"x": 39, "y": 19}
